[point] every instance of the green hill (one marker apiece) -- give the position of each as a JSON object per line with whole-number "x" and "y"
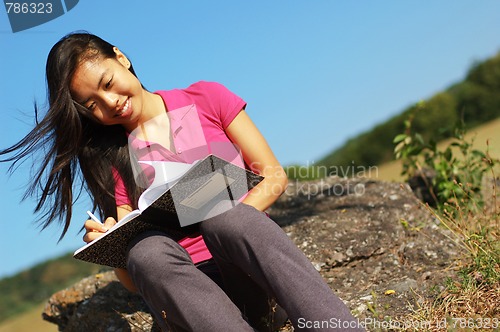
{"x": 473, "y": 101}
{"x": 33, "y": 286}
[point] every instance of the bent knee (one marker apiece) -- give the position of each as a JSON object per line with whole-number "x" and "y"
{"x": 151, "y": 250}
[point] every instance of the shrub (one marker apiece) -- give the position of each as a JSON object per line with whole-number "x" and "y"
{"x": 458, "y": 167}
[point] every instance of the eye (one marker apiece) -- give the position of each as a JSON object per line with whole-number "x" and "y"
{"x": 91, "y": 106}
{"x": 107, "y": 85}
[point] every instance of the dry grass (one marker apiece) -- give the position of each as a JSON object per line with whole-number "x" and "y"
{"x": 470, "y": 301}
{"x": 466, "y": 308}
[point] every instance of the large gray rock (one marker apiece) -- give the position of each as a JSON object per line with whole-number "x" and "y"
{"x": 364, "y": 237}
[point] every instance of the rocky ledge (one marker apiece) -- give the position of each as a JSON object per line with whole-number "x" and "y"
{"x": 374, "y": 243}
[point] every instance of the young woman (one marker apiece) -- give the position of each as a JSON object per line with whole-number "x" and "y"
{"x": 218, "y": 277}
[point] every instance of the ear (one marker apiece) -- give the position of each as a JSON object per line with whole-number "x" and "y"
{"x": 121, "y": 58}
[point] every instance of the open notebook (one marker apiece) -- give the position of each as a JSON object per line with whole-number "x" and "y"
{"x": 180, "y": 196}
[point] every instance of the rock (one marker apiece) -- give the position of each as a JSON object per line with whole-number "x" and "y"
{"x": 364, "y": 236}
{"x": 379, "y": 238}
{"x": 101, "y": 303}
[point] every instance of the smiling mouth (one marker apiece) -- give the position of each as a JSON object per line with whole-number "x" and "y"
{"x": 124, "y": 109}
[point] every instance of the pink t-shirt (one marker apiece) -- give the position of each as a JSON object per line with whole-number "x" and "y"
{"x": 199, "y": 116}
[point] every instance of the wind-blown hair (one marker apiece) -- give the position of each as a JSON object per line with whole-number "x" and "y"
{"x": 70, "y": 143}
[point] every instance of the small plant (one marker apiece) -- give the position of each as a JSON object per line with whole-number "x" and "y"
{"x": 457, "y": 168}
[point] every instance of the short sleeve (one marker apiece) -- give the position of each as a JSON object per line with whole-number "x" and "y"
{"x": 222, "y": 101}
{"x": 121, "y": 195}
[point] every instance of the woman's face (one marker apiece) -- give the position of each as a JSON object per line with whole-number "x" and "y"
{"x": 111, "y": 93}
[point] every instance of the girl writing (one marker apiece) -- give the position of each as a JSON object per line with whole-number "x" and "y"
{"x": 220, "y": 276}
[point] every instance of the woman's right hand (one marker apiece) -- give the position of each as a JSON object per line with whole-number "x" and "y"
{"x": 94, "y": 230}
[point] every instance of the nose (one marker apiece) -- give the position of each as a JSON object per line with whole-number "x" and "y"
{"x": 110, "y": 100}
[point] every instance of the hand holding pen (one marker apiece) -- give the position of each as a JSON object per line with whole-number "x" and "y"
{"x": 95, "y": 228}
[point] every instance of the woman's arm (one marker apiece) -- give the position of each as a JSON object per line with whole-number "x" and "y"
{"x": 260, "y": 158}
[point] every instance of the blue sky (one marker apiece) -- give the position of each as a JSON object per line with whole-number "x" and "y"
{"x": 314, "y": 73}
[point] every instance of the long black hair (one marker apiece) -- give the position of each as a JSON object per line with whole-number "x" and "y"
{"x": 77, "y": 153}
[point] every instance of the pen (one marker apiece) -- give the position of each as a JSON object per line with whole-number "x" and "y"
{"x": 91, "y": 215}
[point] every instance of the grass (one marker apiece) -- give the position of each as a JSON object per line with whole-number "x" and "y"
{"x": 470, "y": 300}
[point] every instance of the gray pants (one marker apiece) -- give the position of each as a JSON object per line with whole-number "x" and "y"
{"x": 257, "y": 261}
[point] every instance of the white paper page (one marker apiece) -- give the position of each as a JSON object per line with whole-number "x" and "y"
{"x": 128, "y": 217}
{"x": 120, "y": 223}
